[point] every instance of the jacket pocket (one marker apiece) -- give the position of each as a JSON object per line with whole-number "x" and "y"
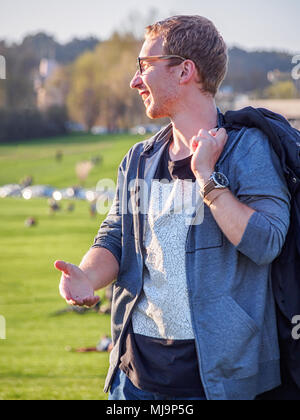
{"x": 231, "y": 340}
{"x": 206, "y": 235}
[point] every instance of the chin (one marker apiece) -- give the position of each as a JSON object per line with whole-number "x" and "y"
{"x": 151, "y": 116}
{"x": 154, "y": 114}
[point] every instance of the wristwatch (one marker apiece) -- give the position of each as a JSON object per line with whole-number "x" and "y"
{"x": 216, "y": 181}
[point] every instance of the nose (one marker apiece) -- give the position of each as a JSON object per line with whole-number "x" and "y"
{"x": 136, "y": 81}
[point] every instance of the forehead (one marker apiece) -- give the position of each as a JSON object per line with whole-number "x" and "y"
{"x": 152, "y": 46}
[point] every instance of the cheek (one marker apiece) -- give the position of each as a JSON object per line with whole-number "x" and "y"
{"x": 151, "y": 81}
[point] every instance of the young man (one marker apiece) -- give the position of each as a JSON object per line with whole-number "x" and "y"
{"x": 193, "y": 312}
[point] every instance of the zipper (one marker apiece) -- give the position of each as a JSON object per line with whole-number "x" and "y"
{"x": 192, "y": 310}
{"x": 147, "y": 148}
{"x": 141, "y": 171}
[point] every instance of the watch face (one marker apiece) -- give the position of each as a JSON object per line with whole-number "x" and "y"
{"x": 220, "y": 179}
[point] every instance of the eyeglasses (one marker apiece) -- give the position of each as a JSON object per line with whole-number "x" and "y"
{"x": 155, "y": 58}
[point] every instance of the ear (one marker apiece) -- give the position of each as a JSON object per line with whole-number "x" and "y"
{"x": 188, "y": 71}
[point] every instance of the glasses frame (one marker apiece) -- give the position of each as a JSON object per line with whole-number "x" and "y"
{"x": 155, "y": 58}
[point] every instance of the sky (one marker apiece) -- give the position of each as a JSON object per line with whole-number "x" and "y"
{"x": 254, "y": 24}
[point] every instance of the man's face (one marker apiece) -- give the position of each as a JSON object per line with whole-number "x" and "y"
{"x": 156, "y": 84}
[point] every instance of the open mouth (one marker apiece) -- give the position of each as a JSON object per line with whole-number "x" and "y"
{"x": 145, "y": 96}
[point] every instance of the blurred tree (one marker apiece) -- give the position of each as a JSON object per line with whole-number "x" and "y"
{"x": 23, "y": 60}
{"x": 17, "y": 90}
{"x": 67, "y": 53}
{"x": 99, "y": 90}
{"x": 2, "y": 94}
{"x": 248, "y": 70}
{"x": 45, "y": 46}
{"x": 57, "y": 86}
{"x": 281, "y": 90}
{"x": 83, "y": 100}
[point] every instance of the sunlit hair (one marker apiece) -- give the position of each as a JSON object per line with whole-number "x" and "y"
{"x": 195, "y": 38}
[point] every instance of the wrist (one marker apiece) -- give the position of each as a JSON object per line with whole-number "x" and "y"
{"x": 214, "y": 195}
{"x": 203, "y": 177}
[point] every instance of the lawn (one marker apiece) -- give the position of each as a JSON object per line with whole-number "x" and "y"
{"x": 37, "y": 159}
{"x": 34, "y": 363}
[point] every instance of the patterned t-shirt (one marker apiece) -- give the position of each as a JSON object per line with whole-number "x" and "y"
{"x": 159, "y": 353}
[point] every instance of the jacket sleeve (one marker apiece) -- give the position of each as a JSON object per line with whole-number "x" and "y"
{"x": 110, "y": 233}
{"x": 261, "y": 185}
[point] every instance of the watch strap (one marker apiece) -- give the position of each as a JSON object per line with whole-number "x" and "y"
{"x": 209, "y": 187}
{"x": 212, "y": 185}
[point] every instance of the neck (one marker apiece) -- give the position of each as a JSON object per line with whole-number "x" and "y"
{"x": 188, "y": 122}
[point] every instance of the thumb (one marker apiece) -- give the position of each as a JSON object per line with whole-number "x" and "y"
{"x": 62, "y": 266}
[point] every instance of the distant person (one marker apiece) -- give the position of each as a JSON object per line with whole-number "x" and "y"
{"x": 59, "y": 156}
{"x": 104, "y": 345}
{"x": 26, "y": 182}
{"x": 79, "y": 310}
{"x": 54, "y": 207}
{"x": 97, "y": 160}
{"x": 106, "y": 308}
{"x": 93, "y": 209}
{"x": 193, "y": 313}
{"x": 30, "y": 222}
{"x": 71, "y": 207}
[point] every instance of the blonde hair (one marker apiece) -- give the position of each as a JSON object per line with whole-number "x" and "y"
{"x": 195, "y": 38}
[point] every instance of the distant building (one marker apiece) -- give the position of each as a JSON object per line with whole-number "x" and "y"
{"x": 276, "y": 76}
{"x": 47, "y": 67}
{"x": 47, "y": 96}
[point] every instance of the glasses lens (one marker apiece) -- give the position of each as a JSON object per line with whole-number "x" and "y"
{"x": 175, "y": 59}
{"x": 139, "y": 65}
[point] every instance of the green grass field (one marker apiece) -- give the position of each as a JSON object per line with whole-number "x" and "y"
{"x": 34, "y": 363}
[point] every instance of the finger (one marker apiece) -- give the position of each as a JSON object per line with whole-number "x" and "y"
{"x": 198, "y": 141}
{"x": 221, "y": 135}
{"x": 65, "y": 293}
{"x": 194, "y": 144}
{"x": 91, "y": 301}
{"x": 75, "y": 302}
{"x": 71, "y": 302}
{"x": 203, "y": 134}
{"x": 221, "y": 131}
{"x": 62, "y": 266}
{"x": 213, "y": 132}
{"x": 95, "y": 300}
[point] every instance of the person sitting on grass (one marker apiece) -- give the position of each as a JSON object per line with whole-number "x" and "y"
{"x": 104, "y": 345}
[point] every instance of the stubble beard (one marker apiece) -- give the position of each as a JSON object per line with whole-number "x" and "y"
{"x": 161, "y": 108}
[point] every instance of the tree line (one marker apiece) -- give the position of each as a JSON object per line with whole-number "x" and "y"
{"x": 93, "y": 79}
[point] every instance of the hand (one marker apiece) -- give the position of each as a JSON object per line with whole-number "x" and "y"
{"x": 207, "y": 148}
{"x": 74, "y": 286}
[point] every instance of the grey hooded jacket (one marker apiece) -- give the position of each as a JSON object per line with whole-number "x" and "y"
{"x": 230, "y": 293}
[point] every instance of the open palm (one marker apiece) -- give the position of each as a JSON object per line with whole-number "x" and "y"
{"x": 74, "y": 286}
